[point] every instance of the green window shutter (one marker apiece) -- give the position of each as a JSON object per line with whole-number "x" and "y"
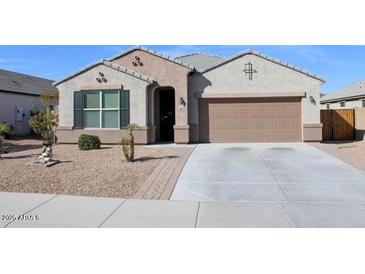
{"x": 124, "y": 108}
{"x": 78, "y": 109}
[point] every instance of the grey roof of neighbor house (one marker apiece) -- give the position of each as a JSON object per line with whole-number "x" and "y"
{"x": 354, "y": 90}
{"x": 26, "y": 84}
{"x": 201, "y": 61}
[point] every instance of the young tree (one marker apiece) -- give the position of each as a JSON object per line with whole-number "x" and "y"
{"x": 49, "y": 99}
{"x": 45, "y": 123}
{"x": 128, "y": 143}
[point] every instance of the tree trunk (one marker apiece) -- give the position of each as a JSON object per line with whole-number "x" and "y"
{"x": 132, "y": 146}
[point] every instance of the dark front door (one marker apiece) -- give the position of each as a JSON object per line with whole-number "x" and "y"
{"x": 167, "y": 115}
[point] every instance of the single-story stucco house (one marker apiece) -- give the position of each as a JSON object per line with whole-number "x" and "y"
{"x": 19, "y": 96}
{"x": 194, "y": 98}
{"x": 351, "y": 96}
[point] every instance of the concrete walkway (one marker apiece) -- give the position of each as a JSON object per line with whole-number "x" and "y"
{"x": 43, "y": 210}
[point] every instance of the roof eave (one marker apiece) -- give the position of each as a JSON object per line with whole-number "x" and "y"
{"x": 241, "y": 54}
{"x": 342, "y": 98}
{"x": 153, "y": 52}
{"x": 78, "y": 72}
{"x": 111, "y": 65}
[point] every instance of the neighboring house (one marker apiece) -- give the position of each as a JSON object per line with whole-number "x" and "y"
{"x": 351, "y": 96}
{"x": 193, "y": 98}
{"x": 19, "y": 96}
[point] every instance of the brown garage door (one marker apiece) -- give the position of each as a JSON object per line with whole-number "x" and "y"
{"x": 250, "y": 120}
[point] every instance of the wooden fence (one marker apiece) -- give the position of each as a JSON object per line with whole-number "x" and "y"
{"x": 338, "y": 124}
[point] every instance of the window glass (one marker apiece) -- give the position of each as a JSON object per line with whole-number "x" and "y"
{"x": 92, "y": 99}
{"x": 110, "y": 118}
{"x": 342, "y": 104}
{"x": 103, "y": 109}
{"x": 110, "y": 99}
{"x": 92, "y": 119}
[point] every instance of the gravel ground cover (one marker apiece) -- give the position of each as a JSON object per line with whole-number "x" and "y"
{"x": 352, "y": 152}
{"x": 101, "y": 172}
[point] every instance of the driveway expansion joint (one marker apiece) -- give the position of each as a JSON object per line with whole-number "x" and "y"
{"x": 277, "y": 179}
{"x": 360, "y": 205}
{"x": 287, "y": 215}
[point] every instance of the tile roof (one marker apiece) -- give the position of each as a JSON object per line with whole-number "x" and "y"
{"x": 247, "y": 52}
{"x": 21, "y": 83}
{"x": 108, "y": 64}
{"x": 153, "y": 52}
{"x": 356, "y": 89}
{"x": 201, "y": 61}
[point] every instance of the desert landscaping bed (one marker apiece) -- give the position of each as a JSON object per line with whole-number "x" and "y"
{"x": 102, "y": 172}
{"x": 351, "y": 152}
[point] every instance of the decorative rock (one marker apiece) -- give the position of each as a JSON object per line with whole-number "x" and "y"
{"x": 48, "y": 164}
{"x": 45, "y": 159}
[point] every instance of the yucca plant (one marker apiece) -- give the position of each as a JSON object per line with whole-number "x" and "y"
{"x": 127, "y": 144}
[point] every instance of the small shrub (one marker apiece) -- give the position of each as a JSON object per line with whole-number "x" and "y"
{"x": 88, "y": 142}
{"x": 5, "y": 130}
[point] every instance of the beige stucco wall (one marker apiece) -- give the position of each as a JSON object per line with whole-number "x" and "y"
{"x": 348, "y": 104}
{"x": 137, "y": 93}
{"x": 360, "y": 123}
{"x": 270, "y": 78}
{"x": 8, "y": 103}
{"x": 167, "y": 74}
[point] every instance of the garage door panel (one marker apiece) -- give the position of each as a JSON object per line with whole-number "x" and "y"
{"x": 244, "y": 136}
{"x": 282, "y": 124}
{"x": 250, "y": 120}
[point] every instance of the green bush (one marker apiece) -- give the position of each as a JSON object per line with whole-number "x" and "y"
{"x": 45, "y": 124}
{"x": 5, "y": 130}
{"x": 88, "y": 142}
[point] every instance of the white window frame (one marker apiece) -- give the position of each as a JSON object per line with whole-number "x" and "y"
{"x": 101, "y": 109}
{"x": 328, "y": 106}
{"x": 344, "y": 104}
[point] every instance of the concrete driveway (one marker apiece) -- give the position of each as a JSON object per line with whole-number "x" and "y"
{"x": 285, "y": 173}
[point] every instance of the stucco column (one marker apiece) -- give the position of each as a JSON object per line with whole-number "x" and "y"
{"x": 181, "y": 127}
{"x": 151, "y": 126}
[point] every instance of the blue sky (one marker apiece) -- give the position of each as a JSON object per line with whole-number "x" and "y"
{"x": 338, "y": 65}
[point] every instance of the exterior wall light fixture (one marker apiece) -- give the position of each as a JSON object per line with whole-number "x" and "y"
{"x": 182, "y": 103}
{"x": 313, "y": 101}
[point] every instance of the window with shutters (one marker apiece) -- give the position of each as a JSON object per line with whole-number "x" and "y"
{"x": 108, "y": 109}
